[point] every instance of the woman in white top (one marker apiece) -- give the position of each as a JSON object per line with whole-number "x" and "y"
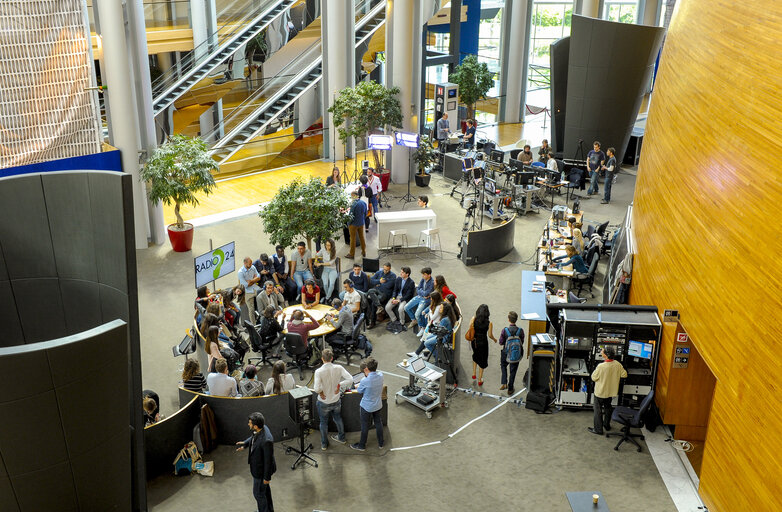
{"x": 433, "y": 313}
{"x": 326, "y": 257}
{"x": 280, "y": 381}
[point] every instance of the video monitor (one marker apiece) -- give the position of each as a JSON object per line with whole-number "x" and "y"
{"x": 497, "y": 156}
{"x": 640, "y": 349}
{"x": 516, "y": 165}
{"x": 468, "y": 163}
{"x": 525, "y": 178}
{"x": 490, "y": 185}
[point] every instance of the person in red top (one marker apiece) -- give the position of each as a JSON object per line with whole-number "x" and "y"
{"x": 299, "y": 326}
{"x": 310, "y": 294}
{"x": 441, "y": 286}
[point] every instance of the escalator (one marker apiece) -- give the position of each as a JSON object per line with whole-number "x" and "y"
{"x": 213, "y": 52}
{"x": 261, "y": 111}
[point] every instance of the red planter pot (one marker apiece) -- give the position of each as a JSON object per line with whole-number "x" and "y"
{"x": 181, "y": 241}
{"x": 385, "y": 177}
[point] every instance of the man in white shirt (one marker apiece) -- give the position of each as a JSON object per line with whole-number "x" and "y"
{"x": 329, "y": 380}
{"x": 351, "y": 297}
{"x": 220, "y": 384}
{"x": 249, "y": 277}
{"x": 377, "y": 187}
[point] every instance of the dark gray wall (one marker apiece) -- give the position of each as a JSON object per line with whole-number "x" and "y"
{"x": 610, "y": 68}
{"x": 560, "y": 54}
{"x": 72, "y": 431}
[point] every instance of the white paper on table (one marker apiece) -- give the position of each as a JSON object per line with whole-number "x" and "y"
{"x": 530, "y": 316}
{"x": 541, "y": 279}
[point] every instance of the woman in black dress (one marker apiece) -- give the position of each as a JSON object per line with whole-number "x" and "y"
{"x": 480, "y": 342}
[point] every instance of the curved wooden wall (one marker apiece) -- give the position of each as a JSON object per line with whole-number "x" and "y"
{"x": 707, "y": 230}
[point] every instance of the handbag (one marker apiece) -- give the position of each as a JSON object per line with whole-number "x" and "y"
{"x": 470, "y": 335}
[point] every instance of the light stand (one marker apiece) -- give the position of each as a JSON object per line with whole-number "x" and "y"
{"x": 300, "y": 404}
{"x": 410, "y": 141}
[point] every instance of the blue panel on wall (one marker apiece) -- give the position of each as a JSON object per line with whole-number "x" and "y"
{"x": 106, "y": 161}
{"x": 468, "y": 35}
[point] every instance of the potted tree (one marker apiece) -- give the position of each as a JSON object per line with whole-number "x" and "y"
{"x": 474, "y": 80}
{"x": 365, "y": 109}
{"x": 179, "y": 169}
{"x": 424, "y": 157}
{"x": 305, "y": 209}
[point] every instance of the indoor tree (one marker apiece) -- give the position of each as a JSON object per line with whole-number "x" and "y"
{"x": 425, "y": 155}
{"x": 305, "y": 209}
{"x": 474, "y": 80}
{"x": 179, "y": 169}
{"x": 364, "y": 109}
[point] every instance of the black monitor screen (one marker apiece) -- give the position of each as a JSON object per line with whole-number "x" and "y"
{"x": 452, "y": 93}
{"x": 468, "y": 163}
{"x": 525, "y": 178}
{"x": 516, "y": 165}
{"x": 497, "y": 155}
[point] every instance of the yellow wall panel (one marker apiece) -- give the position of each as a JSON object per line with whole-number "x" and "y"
{"x": 707, "y": 235}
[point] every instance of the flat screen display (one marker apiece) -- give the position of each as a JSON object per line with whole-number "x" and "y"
{"x": 490, "y": 185}
{"x": 452, "y": 93}
{"x": 497, "y": 155}
{"x": 640, "y": 349}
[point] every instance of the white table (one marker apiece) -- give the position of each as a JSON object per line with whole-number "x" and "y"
{"x": 414, "y": 221}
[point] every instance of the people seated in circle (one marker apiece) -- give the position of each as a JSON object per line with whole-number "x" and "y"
{"x": 416, "y": 307}
{"x": 447, "y": 320}
{"x": 404, "y": 291}
{"x": 301, "y": 265}
{"x": 192, "y": 378}
{"x": 351, "y": 297}
{"x": 279, "y": 382}
{"x": 250, "y": 385}
{"x": 441, "y": 286}
{"x": 343, "y": 323}
{"x": 575, "y": 259}
{"x": 269, "y": 328}
{"x": 359, "y": 278}
{"x": 202, "y": 296}
{"x": 270, "y": 296}
{"x": 219, "y": 382}
{"x": 265, "y": 268}
{"x": 431, "y": 314}
{"x": 310, "y": 294}
{"x": 451, "y": 299}
{"x": 298, "y": 326}
{"x": 232, "y": 314}
{"x": 326, "y": 258}
{"x": 382, "y": 287}
{"x": 281, "y": 275}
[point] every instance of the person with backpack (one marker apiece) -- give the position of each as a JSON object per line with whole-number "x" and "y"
{"x": 511, "y": 353}
{"x": 260, "y": 459}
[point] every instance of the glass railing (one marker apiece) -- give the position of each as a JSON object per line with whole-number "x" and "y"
{"x": 231, "y": 20}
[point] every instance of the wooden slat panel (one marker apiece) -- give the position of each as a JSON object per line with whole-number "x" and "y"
{"x": 707, "y": 237}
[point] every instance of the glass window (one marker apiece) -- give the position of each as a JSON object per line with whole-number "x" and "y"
{"x": 620, "y": 11}
{"x": 550, "y": 22}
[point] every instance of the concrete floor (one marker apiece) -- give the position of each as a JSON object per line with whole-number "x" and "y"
{"x": 511, "y": 459}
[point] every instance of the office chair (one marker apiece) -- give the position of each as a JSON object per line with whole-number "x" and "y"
{"x": 514, "y": 153}
{"x": 574, "y": 178}
{"x": 258, "y": 344}
{"x": 630, "y": 418}
{"x": 589, "y": 278}
{"x": 572, "y": 298}
{"x": 297, "y": 351}
{"x": 347, "y": 345}
{"x": 589, "y": 232}
{"x": 601, "y": 230}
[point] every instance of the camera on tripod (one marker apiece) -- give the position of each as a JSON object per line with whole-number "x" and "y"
{"x": 439, "y": 330}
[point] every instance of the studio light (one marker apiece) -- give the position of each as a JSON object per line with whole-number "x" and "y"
{"x": 407, "y": 139}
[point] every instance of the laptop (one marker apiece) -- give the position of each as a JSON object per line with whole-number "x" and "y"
{"x": 418, "y": 364}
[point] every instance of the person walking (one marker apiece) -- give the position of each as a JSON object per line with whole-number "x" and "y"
{"x": 606, "y": 377}
{"x": 330, "y": 378}
{"x": 371, "y": 390}
{"x": 512, "y": 350}
{"x": 260, "y": 459}
{"x": 480, "y": 342}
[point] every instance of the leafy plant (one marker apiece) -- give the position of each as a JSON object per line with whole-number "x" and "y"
{"x": 474, "y": 80}
{"x": 305, "y": 209}
{"x": 365, "y": 108}
{"x": 177, "y": 170}
{"x": 425, "y": 155}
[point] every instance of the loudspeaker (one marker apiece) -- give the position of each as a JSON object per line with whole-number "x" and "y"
{"x": 371, "y": 265}
{"x": 560, "y": 58}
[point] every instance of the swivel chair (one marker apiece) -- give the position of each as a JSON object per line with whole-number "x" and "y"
{"x": 297, "y": 351}
{"x": 630, "y": 418}
{"x": 347, "y": 345}
{"x": 514, "y": 153}
{"x": 588, "y": 278}
{"x": 574, "y": 179}
{"x": 260, "y": 345}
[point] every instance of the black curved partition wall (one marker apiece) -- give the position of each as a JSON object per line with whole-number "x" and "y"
{"x": 70, "y": 317}
{"x": 489, "y": 244}
{"x": 609, "y": 70}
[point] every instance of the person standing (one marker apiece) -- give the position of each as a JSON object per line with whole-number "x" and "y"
{"x": 358, "y": 212}
{"x": 330, "y": 378}
{"x": 249, "y": 277}
{"x": 595, "y": 159}
{"x": 377, "y": 188}
{"x": 606, "y": 378}
{"x": 261, "y": 460}
{"x": 443, "y": 130}
{"x": 510, "y": 332}
{"x": 469, "y": 134}
{"x": 610, "y": 169}
{"x": 543, "y": 151}
{"x": 371, "y": 390}
{"x": 480, "y": 341}
{"x": 368, "y": 197}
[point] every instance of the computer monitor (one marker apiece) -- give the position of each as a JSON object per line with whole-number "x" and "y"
{"x": 516, "y": 165}
{"x": 525, "y": 178}
{"x": 497, "y": 156}
{"x": 468, "y": 163}
{"x": 490, "y": 185}
{"x": 640, "y": 349}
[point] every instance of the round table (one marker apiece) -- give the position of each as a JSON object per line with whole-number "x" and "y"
{"x": 318, "y": 312}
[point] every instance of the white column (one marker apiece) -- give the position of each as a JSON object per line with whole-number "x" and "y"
{"x": 122, "y": 114}
{"x": 403, "y": 35}
{"x": 515, "y": 56}
{"x": 590, "y": 8}
{"x": 338, "y": 28}
{"x": 650, "y": 13}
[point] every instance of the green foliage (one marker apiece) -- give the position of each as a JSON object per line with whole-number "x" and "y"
{"x": 474, "y": 80}
{"x": 305, "y": 209}
{"x": 547, "y": 18}
{"x": 256, "y": 45}
{"x": 177, "y": 170}
{"x": 367, "y": 106}
{"x": 425, "y": 155}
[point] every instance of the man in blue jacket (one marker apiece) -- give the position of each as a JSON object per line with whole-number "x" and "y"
{"x": 358, "y": 211}
{"x": 381, "y": 288}
{"x": 261, "y": 460}
{"x": 404, "y": 290}
{"x": 415, "y": 308}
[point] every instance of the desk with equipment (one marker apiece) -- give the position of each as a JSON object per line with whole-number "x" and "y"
{"x": 533, "y": 304}
{"x": 556, "y": 236}
{"x": 423, "y": 398}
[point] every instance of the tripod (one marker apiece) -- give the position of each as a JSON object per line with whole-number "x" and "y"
{"x": 466, "y": 228}
{"x": 408, "y": 198}
{"x": 303, "y": 451}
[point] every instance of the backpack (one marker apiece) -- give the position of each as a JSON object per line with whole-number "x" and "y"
{"x": 513, "y": 349}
